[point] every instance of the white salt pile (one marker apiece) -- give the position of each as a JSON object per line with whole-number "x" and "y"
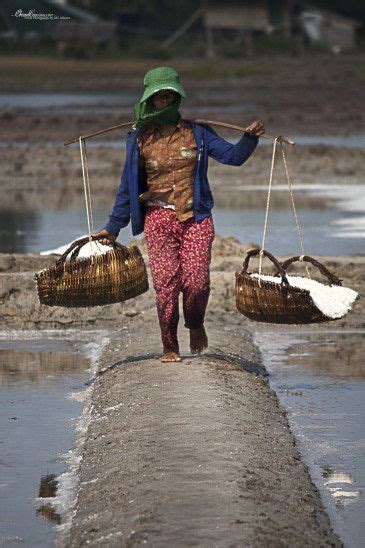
{"x": 93, "y": 248}
{"x": 60, "y": 250}
{"x": 332, "y": 300}
{"x": 90, "y": 248}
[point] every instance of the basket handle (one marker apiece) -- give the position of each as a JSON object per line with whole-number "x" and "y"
{"x": 78, "y": 244}
{"x": 280, "y": 269}
{"x": 323, "y": 270}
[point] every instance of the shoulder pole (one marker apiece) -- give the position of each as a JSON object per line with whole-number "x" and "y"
{"x": 280, "y": 138}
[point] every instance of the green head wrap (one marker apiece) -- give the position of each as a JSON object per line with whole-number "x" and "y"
{"x": 155, "y": 80}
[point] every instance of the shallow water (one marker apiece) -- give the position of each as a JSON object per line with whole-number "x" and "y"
{"x": 47, "y": 100}
{"x": 80, "y": 103}
{"x": 325, "y": 231}
{"x": 319, "y": 377}
{"x": 53, "y": 103}
{"x": 36, "y": 379}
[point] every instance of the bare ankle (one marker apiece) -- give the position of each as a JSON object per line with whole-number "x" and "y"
{"x": 198, "y": 340}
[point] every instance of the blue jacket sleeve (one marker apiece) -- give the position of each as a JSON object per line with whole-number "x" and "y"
{"x": 121, "y": 212}
{"x": 227, "y": 153}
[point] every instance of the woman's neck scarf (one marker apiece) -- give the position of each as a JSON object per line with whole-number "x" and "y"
{"x": 146, "y": 113}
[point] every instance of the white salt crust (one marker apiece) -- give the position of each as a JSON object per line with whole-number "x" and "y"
{"x": 332, "y": 300}
{"x": 90, "y": 248}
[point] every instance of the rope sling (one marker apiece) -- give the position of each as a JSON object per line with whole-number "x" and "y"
{"x": 297, "y": 300}
{"x": 99, "y": 278}
{"x": 273, "y": 157}
{"x": 87, "y": 191}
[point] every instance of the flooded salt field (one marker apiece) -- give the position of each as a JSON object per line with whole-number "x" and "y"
{"x": 39, "y": 374}
{"x": 73, "y": 103}
{"x": 44, "y": 101}
{"x": 102, "y": 103}
{"x": 319, "y": 376}
{"x": 325, "y": 231}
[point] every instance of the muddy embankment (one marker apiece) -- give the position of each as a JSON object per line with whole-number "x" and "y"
{"x": 196, "y": 453}
{"x": 21, "y": 309}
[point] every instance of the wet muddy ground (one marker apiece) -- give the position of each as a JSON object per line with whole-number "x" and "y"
{"x": 37, "y": 178}
{"x": 313, "y": 95}
{"x": 21, "y": 309}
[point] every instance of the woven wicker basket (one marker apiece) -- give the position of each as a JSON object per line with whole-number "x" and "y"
{"x": 115, "y": 276}
{"x": 272, "y": 302}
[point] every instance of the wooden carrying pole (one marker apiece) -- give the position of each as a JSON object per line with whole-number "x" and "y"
{"x": 197, "y": 121}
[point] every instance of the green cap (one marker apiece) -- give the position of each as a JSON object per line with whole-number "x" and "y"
{"x": 161, "y": 78}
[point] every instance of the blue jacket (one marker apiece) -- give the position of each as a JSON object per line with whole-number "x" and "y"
{"x": 133, "y": 182}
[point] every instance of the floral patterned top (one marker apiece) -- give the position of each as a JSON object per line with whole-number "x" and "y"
{"x": 169, "y": 154}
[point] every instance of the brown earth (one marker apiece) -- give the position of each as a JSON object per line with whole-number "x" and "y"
{"x": 21, "y": 309}
{"x": 290, "y": 95}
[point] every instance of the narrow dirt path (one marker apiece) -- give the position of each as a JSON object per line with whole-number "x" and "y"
{"x": 196, "y": 453}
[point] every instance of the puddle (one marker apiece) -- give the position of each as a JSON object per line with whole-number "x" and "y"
{"x": 348, "y": 202}
{"x": 39, "y": 374}
{"x": 319, "y": 377}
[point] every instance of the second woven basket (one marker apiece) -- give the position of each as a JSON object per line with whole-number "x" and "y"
{"x": 267, "y": 301}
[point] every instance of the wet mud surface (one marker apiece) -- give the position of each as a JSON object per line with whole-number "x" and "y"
{"x": 38, "y": 171}
{"x": 21, "y": 308}
{"x": 319, "y": 94}
{"x": 41, "y": 177}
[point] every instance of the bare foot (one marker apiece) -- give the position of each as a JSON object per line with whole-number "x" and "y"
{"x": 171, "y": 357}
{"x": 198, "y": 340}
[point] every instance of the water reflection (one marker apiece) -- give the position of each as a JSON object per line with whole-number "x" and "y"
{"x": 48, "y": 229}
{"x": 318, "y": 375}
{"x": 338, "y": 355}
{"x": 37, "y": 367}
{"x": 338, "y": 484}
{"x": 14, "y": 228}
{"x": 47, "y": 489}
{"x": 37, "y": 376}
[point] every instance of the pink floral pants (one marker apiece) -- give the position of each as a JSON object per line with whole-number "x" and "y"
{"x": 179, "y": 254}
